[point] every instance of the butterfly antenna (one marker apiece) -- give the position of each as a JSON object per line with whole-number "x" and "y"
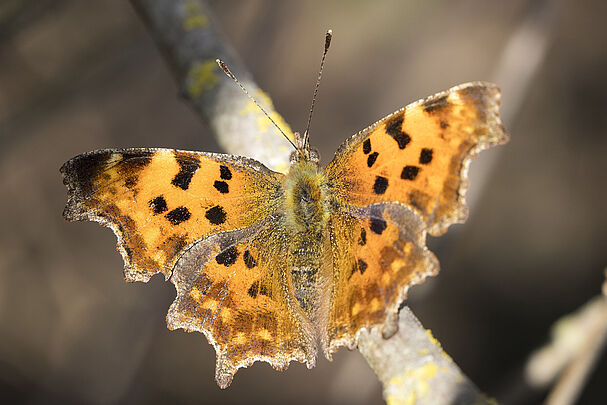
{"x": 227, "y": 71}
{"x": 306, "y": 137}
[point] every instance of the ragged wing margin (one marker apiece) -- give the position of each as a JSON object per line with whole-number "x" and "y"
{"x": 80, "y": 172}
{"x": 295, "y": 344}
{"x": 489, "y": 131}
{"x": 421, "y": 263}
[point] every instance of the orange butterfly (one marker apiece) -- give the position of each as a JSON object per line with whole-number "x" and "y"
{"x": 269, "y": 265}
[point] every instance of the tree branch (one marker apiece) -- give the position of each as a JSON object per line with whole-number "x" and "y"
{"x": 577, "y": 342}
{"x": 187, "y": 35}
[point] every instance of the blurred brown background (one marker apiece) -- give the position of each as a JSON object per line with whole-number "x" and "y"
{"x": 77, "y": 76}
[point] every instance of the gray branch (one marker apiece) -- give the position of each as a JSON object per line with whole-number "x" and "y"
{"x": 187, "y": 35}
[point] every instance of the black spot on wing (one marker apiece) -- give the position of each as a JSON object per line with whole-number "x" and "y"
{"x": 259, "y": 288}
{"x": 178, "y": 215}
{"x": 133, "y": 162}
{"x": 83, "y": 169}
{"x": 227, "y": 257}
{"x": 216, "y": 215}
{"x": 363, "y": 237}
{"x": 394, "y": 128}
{"x": 224, "y": 172}
{"x": 221, "y": 186}
{"x": 409, "y": 172}
{"x": 436, "y": 104}
{"x": 372, "y": 158}
{"x": 362, "y": 266}
{"x": 395, "y": 125}
{"x": 425, "y": 156}
{"x": 380, "y": 186}
{"x": 419, "y": 200}
{"x": 253, "y": 290}
{"x": 158, "y": 205}
{"x": 249, "y": 260}
{"x": 367, "y": 146}
{"x": 130, "y": 182}
{"x": 378, "y": 225}
{"x": 187, "y": 168}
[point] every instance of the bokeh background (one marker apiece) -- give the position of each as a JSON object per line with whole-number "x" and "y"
{"x": 77, "y": 76}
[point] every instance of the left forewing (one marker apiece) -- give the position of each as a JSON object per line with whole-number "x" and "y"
{"x": 159, "y": 202}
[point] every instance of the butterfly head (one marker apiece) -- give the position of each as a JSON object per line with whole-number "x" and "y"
{"x": 303, "y": 152}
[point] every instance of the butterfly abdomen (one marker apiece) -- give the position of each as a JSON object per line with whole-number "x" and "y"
{"x": 304, "y": 266}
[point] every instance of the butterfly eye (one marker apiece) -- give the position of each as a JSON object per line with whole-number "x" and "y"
{"x": 314, "y": 156}
{"x": 293, "y": 157}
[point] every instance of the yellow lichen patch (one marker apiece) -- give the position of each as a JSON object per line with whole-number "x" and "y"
{"x": 436, "y": 343}
{"x": 195, "y": 294}
{"x": 195, "y": 18}
{"x": 422, "y": 375}
{"x": 263, "y": 123}
{"x": 264, "y": 334}
{"x": 432, "y": 338}
{"x": 416, "y": 381}
{"x": 202, "y": 77}
{"x": 385, "y": 279}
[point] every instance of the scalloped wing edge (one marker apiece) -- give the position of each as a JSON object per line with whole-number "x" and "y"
{"x": 493, "y": 135}
{"x": 389, "y": 326}
{"x": 198, "y": 255}
{"x": 76, "y": 211}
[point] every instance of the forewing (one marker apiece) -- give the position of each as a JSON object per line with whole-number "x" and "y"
{"x": 234, "y": 288}
{"x": 159, "y": 202}
{"x": 378, "y": 253}
{"x": 419, "y": 155}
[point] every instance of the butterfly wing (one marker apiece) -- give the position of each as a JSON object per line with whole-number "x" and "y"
{"x": 402, "y": 177}
{"x": 419, "y": 155}
{"x": 379, "y": 251}
{"x": 210, "y": 223}
{"x": 234, "y": 288}
{"x": 159, "y": 202}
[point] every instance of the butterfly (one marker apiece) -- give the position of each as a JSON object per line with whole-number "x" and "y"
{"x": 271, "y": 266}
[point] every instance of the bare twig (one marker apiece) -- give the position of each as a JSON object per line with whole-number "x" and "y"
{"x": 186, "y": 33}
{"x": 414, "y": 369}
{"x": 411, "y": 364}
{"x": 576, "y": 345}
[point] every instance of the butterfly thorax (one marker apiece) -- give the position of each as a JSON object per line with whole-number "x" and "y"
{"x": 306, "y": 197}
{"x": 307, "y": 215}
